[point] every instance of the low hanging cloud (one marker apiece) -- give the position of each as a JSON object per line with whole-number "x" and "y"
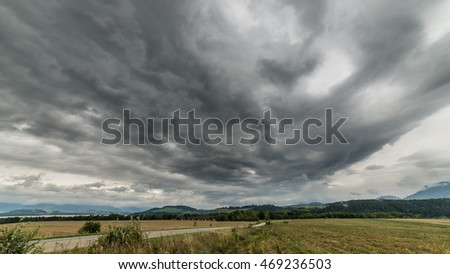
{"x": 68, "y": 65}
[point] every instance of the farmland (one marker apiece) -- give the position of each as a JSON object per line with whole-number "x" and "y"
{"x": 70, "y": 228}
{"x": 320, "y": 236}
{"x": 355, "y": 236}
{"x": 342, "y": 236}
{"x": 362, "y": 236}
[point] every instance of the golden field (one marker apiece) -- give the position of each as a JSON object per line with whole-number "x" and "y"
{"x": 70, "y": 228}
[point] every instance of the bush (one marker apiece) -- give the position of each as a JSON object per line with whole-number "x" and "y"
{"x": 90, "y": 227}
{"x": 242, "y": 240}
{"x": 16, "y": 240}
{"x": 122, "y": 239}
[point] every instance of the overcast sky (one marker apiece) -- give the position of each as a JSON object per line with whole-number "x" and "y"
{"x": 68, "y": 65}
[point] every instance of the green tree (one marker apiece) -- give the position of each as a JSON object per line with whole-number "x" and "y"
{"x": 90, "y": 227}
{"x": 263, "y": 215}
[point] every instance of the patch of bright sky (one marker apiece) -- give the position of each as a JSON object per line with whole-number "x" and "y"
{"x": 436, "y": 21}
{"x": 395, "y": 175}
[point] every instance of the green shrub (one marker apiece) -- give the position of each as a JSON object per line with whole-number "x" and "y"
{"x": 122, "y": 239}
{"x": 16, "y": 240}
{"x": 90, "y": 227}
{"x": 238, "y": 240}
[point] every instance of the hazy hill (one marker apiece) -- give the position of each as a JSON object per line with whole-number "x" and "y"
{"x": 313, "y": 204}
{"x": 25, "y": 212}
{"x": 438, "y": 191}
{"x": 441, "y": 190}
{"x": 182, "y": 209}
{"x": 177, "y": 209}
{"x": 388, "y": 197}
{"x": 12, "y": 208}
{"x": 4, "y": 207}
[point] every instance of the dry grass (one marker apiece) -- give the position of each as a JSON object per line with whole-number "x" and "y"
{"x": 429, "y": 221}
{"x": 320, "y": 236}
{"x": 362, "y": 236}
{"x": 325, "y": 236}
{"x": 382, "y": 236}
{"x": 70, "y": 228}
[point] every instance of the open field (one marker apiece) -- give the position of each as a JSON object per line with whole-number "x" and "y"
{"x": 363, "y": 236}
{"x": 319, "y": 236}
{"x": 70, "y": 228}
{"x": 382, "y": 236}
{"x": 354, "y": 236}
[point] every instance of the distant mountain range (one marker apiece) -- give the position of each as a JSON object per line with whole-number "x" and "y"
{"x": 15, "y": 209}
{"x": 177, "y": 209}
{"x": 27, "y": 212}
{"x": 440, "y": 190}
{"x": 182, "y": 209}
{"x": 70, "y": 209}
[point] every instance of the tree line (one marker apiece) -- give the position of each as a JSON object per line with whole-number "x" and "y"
{"x": 431, "y": 208}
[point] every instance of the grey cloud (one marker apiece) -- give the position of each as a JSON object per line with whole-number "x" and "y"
{"x": 68, "y": 65}
{"x": 285, "y": 73}
{"x": 29, "y": 185}
{"x": 373, "y": 192}
{"x": 96, "y": 185}
{"x": 428, "y": 159}
{"x": 374, "y": 167}
{"x": 120, "y": 189}
{"x": 311, "y": 13}
{"x": 27, "y": 181}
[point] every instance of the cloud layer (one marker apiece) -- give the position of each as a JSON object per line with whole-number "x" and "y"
{"x": 68, "y": 65}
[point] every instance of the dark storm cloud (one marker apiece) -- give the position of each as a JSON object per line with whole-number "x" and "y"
{"x": 384, "y": 52}
{"x": 67, "y": 65}
{"x": 285, "y": 73}
{"x": 300, "y": 60}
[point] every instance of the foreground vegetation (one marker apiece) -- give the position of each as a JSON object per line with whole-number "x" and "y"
{"x": 301, "y": 236}
{"x": 17, "y": 240}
